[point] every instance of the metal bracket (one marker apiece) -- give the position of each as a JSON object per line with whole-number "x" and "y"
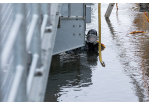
{"x": 39, "y": 71}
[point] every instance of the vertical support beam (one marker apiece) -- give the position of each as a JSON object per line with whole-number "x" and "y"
{"x": 21, "y": 54}
{"x": 84, "y": 16}
{"x": 35, "y": 44}
{"x": 45, "y": 8}
{"x": 69, "y": 9}
{"x": 49, "y": 13}
{"x": 84, "y": 10}
{"x": 109, "y": 10}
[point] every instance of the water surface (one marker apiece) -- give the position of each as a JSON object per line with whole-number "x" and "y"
{"x": 79, "y": 77}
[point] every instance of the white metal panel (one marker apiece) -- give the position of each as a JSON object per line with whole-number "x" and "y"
{"x": 71, "y": 35}
{"x": 71, "y": 31}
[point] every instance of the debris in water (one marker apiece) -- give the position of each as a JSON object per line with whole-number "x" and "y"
{"x": 137, "y": 32}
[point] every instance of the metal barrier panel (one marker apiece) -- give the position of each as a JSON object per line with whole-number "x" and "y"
{"x": 6, "y": 21}
{"x": 64, "y": 9}
{"x": 13, "y": 55}
{"x": 22, "y": 28}
{"x": 77, "y": 9}
{"x": 88, "y": 13}
{"x": 28, "y": 33}
{"x": 39, "y": 84}
{"x": 71, "y": 28}
{"x": 18, "y": 89}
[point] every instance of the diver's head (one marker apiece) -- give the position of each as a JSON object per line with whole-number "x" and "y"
{"x": 92, "y": 40}
{"x": 92, "y": 36}
{"x": 92, "y": 31}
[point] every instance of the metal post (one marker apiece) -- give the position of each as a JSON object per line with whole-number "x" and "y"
{"x": 31, "y": 31}
{"x": 84, "y": 10}
{"x": 44, "y": 7}
{"x": 35, "y": 47}
{"x": 5, "y": 54}
{"x": 109, "y": 10}
{"x": 16, "y": 85}
{"x": 49, "y": 12}
{"x": 32, "y": 73}
{"x": 69, "y": 9}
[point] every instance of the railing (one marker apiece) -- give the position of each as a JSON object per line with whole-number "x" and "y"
{"x": 24, "y": 62}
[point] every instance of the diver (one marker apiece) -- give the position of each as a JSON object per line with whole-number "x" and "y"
{"x": 91, "y": 43}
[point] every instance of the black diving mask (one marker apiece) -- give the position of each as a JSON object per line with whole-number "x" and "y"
{"x": 91, "y": 38}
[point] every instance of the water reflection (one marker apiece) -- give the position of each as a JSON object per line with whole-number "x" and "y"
{"x": 110, "y": 26}
{"x": 143, "y": 46}
{"x": 134, "y": 59}
{"x": 70, "y": 72}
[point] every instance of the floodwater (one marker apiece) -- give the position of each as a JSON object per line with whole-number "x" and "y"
{"x": 79, "y": 77}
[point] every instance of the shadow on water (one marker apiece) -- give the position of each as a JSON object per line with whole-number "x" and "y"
{"x": 70, "y": 71}
{"x": 140, "y": 88}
